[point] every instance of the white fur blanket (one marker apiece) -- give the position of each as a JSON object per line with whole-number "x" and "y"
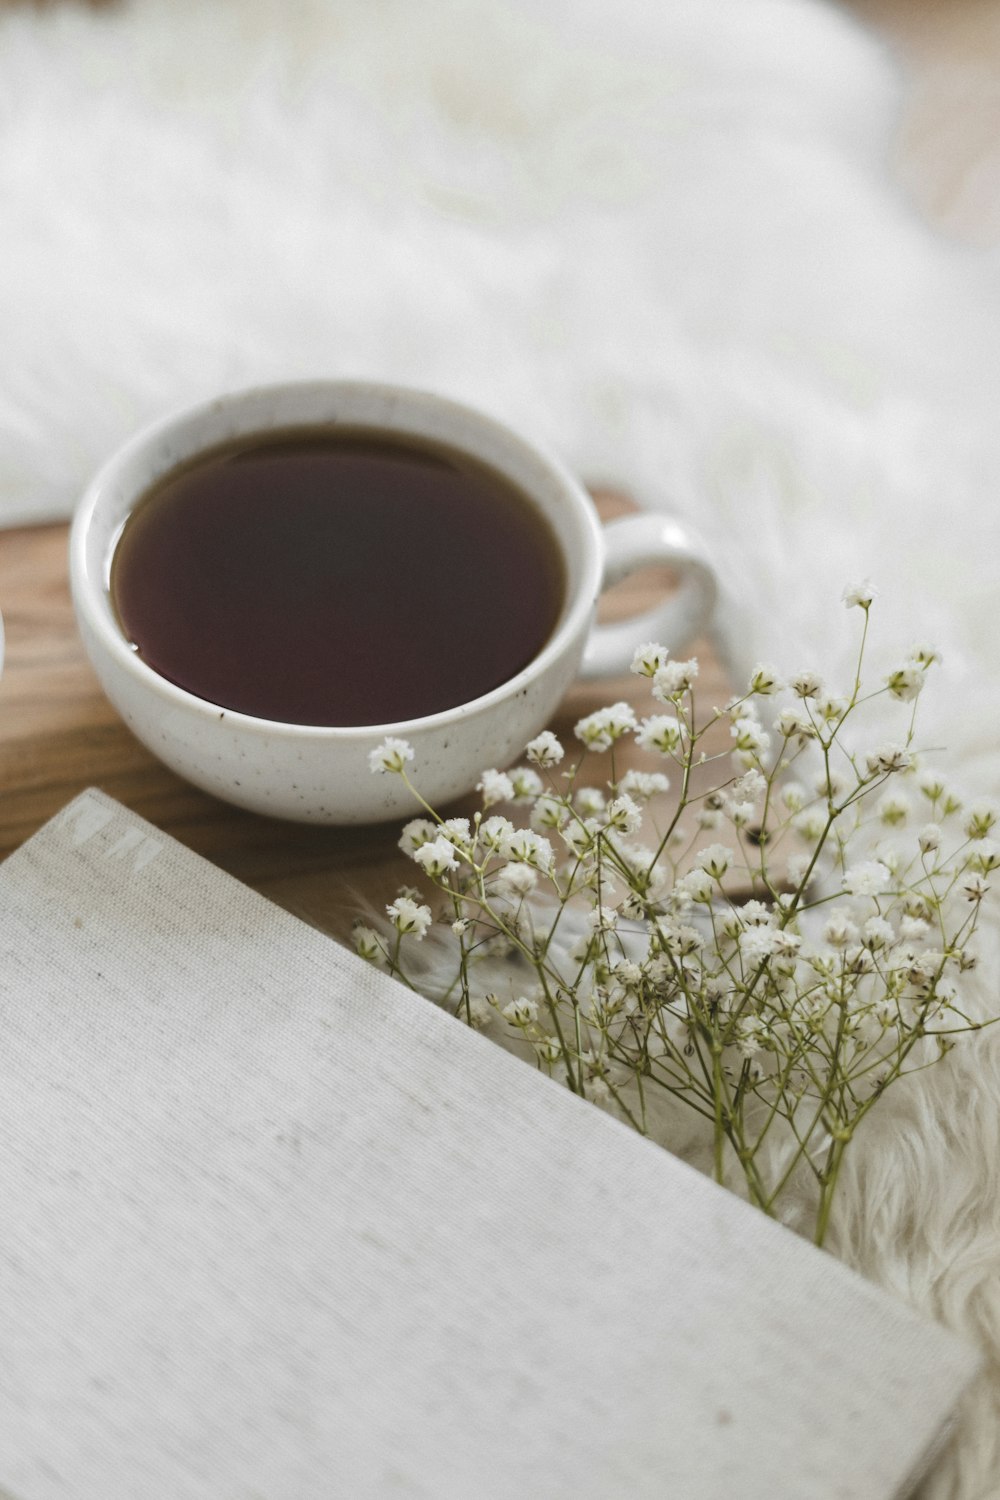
{"x": 661, "y": 237}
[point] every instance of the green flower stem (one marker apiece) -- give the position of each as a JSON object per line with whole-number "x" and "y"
{"x": 719, "y": 1119}
{"x": 828, "y": 1188}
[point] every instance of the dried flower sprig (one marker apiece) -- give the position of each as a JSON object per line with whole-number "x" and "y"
{"x": 776, "y": 981}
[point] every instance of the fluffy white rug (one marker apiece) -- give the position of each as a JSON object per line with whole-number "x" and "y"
{"x": 662, "y": 238}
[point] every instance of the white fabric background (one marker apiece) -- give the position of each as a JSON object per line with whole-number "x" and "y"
{"x": 665, "y": 240}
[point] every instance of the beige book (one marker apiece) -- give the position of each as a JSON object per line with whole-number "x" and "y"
{"x": 275, "y": 1228}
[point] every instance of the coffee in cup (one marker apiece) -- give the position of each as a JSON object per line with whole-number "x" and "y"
{"x": 337, "y": 576}
{"x": 271, "y": 583}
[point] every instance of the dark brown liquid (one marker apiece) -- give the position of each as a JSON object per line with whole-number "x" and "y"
{"x": 325, "y": 576}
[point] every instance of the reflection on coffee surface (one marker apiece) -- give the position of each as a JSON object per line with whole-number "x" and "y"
{"x": 327, "y": 576}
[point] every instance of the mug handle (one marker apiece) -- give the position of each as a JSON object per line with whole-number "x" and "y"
{"x": 639, "y": 541}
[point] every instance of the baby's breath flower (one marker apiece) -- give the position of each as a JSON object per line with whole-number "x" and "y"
{"x": 642, "y": 785}
{"x": 390, "y": 756}
{"x": 600, "y": 730}
{"x": 436, "y": 857}
{"x": 794, "y": 723}
{"x": 683, "y": 940}
{"x": 806, "y": 684}
{"x": 929, "y": 838}
{"x": 932, "y": 785}
{"x": 520, "y": 1012}
{"x": 548, "y": 1049}
{"x": 614, "y": 1001}
{"x": 673, "y": 679}
{"x": 810, "y": 824}
{"x": 984, "y": 856}
{"x": 479, "y": 1014}
{"x": 623, "y": 815}
{"x": 715, "y": 860}
{"x": 839, "y": 931}
{"x": 408, "y": 917}
{"x": 887, "y": 760}
{"x": 458, "y": 832}
{"x": 599, "y": 1091}
{"x": 797, "y": 1003}
{"x": 749, "y": 787}
{"x": 496, "y": 786}
{"x": 924, "y": 655}
{"x": 870, "y": 878}
{"x": 696, "y": 885}
{"x": 545, "y": 750}
{"x": 662, "y": 732}
{"x": 749, "y": 736}
{"x": 495, "y": 832}
{"x": 648, "y": 659}
{"x": 892, "y": 808}
{"x": 885, "y": 1013}
{"x": 418, "y": 831}
{"x": 981, "y": 820}
{"x": 527, "y": 846}
{"x": 877, "y": 933}
{"x": 526, "y": 783}
{"x": 764, "y": 680}
{"x": 858, "y": 960}
{"x": 739, "y": 813}
{"x": 628, "y": 973}
{"x": 905, "y": 682}
{"x": 830, "y": 707}
{"x": 859, "y": 595}
{"x": 515, "y": 881}
{"x": 640, "y": 862}
{"x": 756, "y": 943}
{"x": 579, "y": 837}
{"x": 748, "y": 1038}
{"x": 549, "y": 812}
{"x": 368, "y": 943}
{"x": 589, "y": 801}
{"x": 755, "y": 914}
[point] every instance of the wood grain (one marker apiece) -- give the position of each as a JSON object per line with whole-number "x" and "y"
{"x": 59, "y": 735}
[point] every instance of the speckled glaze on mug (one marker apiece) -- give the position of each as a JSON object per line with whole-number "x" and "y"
{"x": 318, "y": 774}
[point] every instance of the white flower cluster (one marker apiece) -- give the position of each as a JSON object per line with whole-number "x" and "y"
{"x": 780, "y": 946}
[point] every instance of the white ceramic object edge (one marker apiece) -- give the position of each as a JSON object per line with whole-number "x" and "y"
{"x": 317, "y": 774}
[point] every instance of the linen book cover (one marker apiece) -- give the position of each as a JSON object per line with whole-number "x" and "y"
{"x": 275, "y": 1227}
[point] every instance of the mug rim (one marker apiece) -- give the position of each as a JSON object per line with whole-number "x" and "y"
{"x": 91, "y": 595}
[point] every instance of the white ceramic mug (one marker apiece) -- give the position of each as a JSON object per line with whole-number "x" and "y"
{"x": 320, "y": 774}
